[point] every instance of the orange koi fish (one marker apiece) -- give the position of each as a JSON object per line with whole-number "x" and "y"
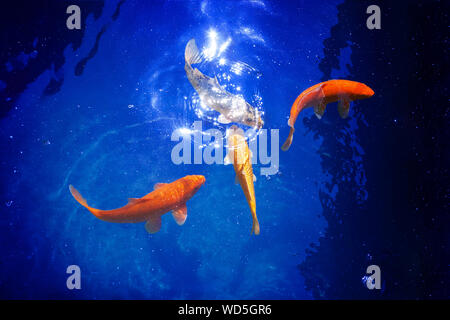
{"x": 319, "y": 95}
{"x": 166, "y": 197}
{"x": 240, "y": 156}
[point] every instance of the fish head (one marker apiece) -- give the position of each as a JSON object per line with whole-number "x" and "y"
{"x": 259, "y": 123}
{"x": 236, "y": 144}
{"x": 252, "y": 118}
{"x": 234, "y": 130}
{"x": 364, "y": 92}
{"x": 196, "y": 182}
{"x": 234, "y": 135}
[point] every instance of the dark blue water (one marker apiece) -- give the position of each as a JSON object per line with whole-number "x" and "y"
{"x": 106, "y": 129}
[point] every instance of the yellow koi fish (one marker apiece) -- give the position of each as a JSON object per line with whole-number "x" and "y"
{"x": 240, "y": 156}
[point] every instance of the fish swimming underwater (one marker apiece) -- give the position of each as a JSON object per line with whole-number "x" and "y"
{"x": 166, "y": 197}
{"x": 232, "y": 108}
{"x": 240, "y": 156}
{"x": 319, "y": 95}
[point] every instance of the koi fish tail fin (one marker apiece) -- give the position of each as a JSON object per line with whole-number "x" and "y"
{"x": 78, "y": 196}
{"x": 286, "y": 145}
{"x": 191, "y": 53}
{"x": 82, "y": 201}
{"x": 255, "y": 226}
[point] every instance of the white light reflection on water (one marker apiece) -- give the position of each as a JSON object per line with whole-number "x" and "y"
{"x": 210, "y": 116}
{"x": 230, "y": 75}
{"x": 210, "y": 51}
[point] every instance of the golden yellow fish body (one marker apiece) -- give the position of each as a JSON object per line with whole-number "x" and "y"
{"x": 240, "y": 156}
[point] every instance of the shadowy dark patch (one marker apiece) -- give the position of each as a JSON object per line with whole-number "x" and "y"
{"x": 117, "y": 12}
{"x": 37, "y": 28}
{"x": 403, "y": 225}
{"x": 54, "y": 86}
{"x": 79, "y": 68}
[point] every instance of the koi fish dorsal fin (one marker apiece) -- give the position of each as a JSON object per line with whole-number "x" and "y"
{"x": 153, "y": 224}
{"x": 180, "y": 214}
{"x": 343, "y": 108}
{"x": 133, "y": 200}
{"x": 158, "y": 185}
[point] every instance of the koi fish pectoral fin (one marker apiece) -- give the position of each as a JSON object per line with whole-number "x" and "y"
{"x": 319, "y": 109}
{"x": 223, "y": 120}
{"x": 180, "y": 214}
{"x": 343, "y": 108}
{"x": 153, "y": 224}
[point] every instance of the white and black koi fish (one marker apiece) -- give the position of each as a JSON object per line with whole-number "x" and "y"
{"x": 232, "y": 108}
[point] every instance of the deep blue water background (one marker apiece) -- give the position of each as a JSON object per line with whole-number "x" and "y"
{"x": 106, "y": 129}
